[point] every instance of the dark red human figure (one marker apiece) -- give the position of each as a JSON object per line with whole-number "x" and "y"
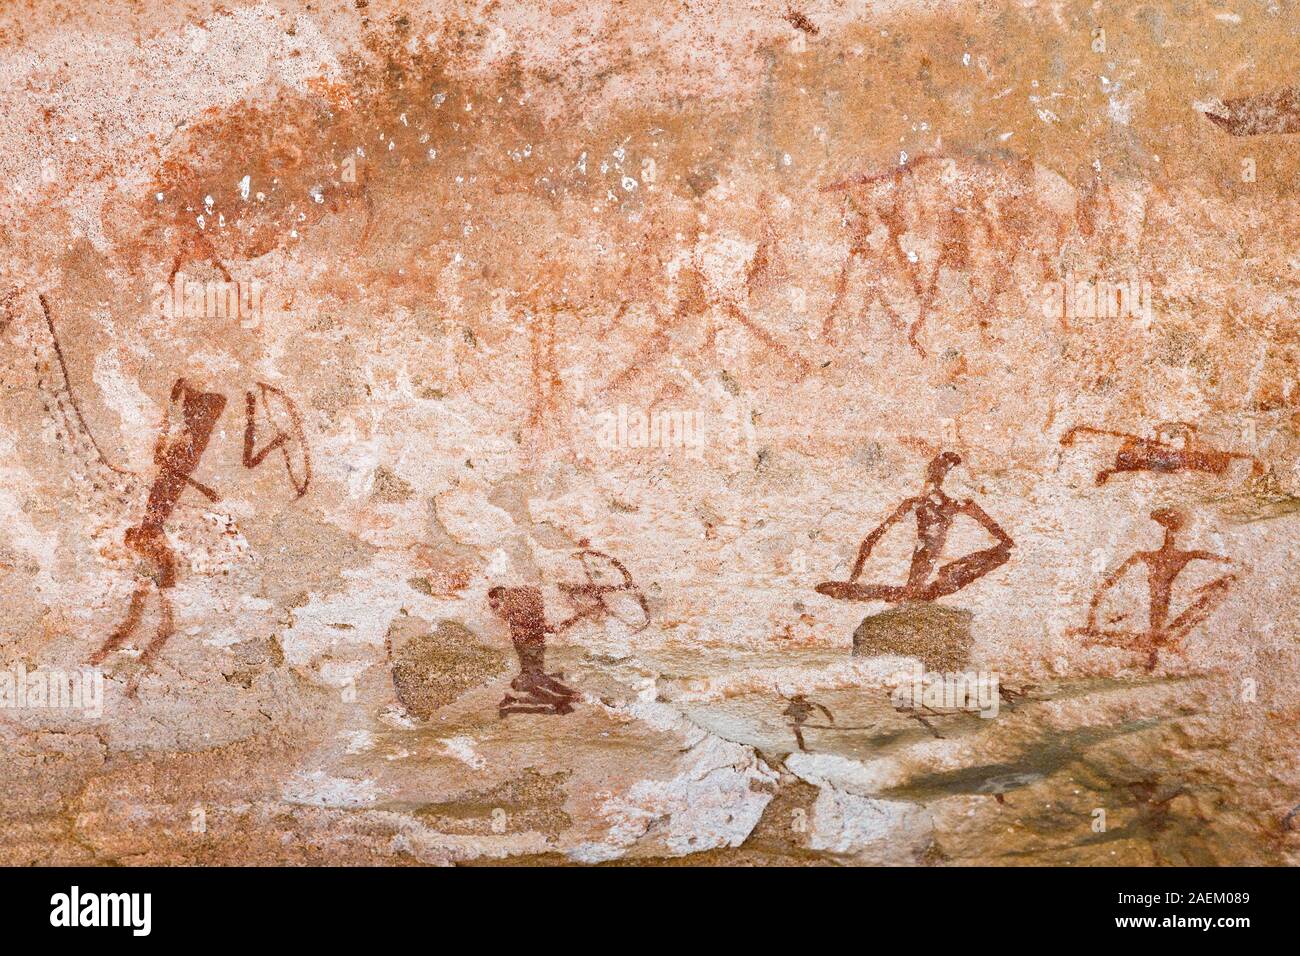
{"x": 187, "y": 427}
{"x": 1163, "y": 566}
{"x": 800, "y": 709}
{"x": 926, "y": 578}
{"x": 523, "y": 610}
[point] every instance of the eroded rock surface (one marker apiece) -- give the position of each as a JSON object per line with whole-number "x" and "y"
{"x": 938, "y": 636}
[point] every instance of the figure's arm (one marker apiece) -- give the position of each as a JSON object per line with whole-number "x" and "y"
{"x": 253, "y": 456}
{"x": 1103, "y": 589}
{"x": 824, "y": 710}
{"x": 870, "y": 541}
{"x": 1209, "y": 556}
{"x": 972, "y": 510}
{"x": 202, "y": 489}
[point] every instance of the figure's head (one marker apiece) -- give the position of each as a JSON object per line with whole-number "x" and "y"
{"x": 940, "y": 465}
{"x": 518, "y": 605}
{"x": 1171, "y": 518}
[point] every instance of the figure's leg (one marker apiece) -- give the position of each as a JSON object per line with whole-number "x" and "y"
{"x": 126, "y": 628}
{"x": 955, "y": 575}
{"x": 1128, "y": 458}
{"x": 927, "y": 725}
{"x": 533, "y": 678}
{"x": 851, "y": 591}
{"x": 1210, "y": 596}
{"x": 554, "y": 686}
{"x": 1148, "y": 643}
{"x": 531, "y": 657}
{"x": 534, "y": 699}
{"x": 161, "y": 636}
{"x": 798, "y": 736}
{"x": 1137, "y": 642}
{"x": 164, "y": 632}
{"x": 519, "y": 705}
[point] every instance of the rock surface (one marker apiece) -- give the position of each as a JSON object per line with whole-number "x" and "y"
{"x": 939, "y": 637}
{"x": 431, "y": 668}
